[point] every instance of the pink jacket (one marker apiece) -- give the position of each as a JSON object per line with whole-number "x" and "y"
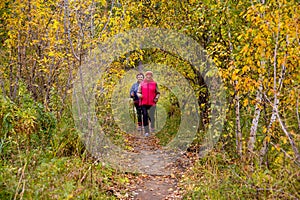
{"x": 149, "y": 91}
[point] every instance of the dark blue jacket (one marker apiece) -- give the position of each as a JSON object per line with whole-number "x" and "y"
{"x": 134, "y": 89}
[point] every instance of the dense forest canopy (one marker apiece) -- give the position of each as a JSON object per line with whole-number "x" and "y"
{"x": 253, "y": 44}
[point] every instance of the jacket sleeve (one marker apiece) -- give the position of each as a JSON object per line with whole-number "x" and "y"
{"x": 131, "y": 90}
{"x": 139, "y": 91}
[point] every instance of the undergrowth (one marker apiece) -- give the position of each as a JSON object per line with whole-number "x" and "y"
{"x": 220, "y": 176}
{"x": 44, "y": 158}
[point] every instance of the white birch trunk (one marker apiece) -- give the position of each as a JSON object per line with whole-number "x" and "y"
{"x": 238, "y": 132}
{"x": 289, "y": 136}
{"x": 255, "y": 120}
{"x": 264, "y": 149}
{"x": 257, "y": 112}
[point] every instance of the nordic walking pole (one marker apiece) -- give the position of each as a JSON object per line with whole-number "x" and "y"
{"x": 156, "y": 118}
{"x": 133, "y": 111}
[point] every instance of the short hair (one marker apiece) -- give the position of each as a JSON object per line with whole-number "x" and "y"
{"x": 140, "y": 74}
{"x": 149, "y": 72}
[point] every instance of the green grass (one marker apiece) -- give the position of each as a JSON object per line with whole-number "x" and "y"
{"x": 43, "y": 177}
{"x": 220, "y": 177}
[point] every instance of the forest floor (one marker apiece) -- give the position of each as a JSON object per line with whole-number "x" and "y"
{"x": 158, "y": 183}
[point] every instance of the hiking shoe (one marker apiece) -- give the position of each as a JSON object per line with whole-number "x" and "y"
{"x": 139, "y": 128}
{"x": 146, "y": 134}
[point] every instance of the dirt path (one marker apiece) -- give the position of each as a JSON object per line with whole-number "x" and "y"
{"x": 155, "y": 185}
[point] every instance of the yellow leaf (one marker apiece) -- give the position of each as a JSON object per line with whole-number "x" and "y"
{"x": 51, "y": 53}
{"x": 245, "y": 68}
{"x": 246, "y": 102}
{"x": 284, "y": 140}
{"x": 234, "y": 76}
{"x": 268, "y": 139}
{"x": 265, "y": 130}
{"x": 277, "y": 147}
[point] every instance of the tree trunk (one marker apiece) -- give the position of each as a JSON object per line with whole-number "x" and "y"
{"x": 297, "y": 112}
{"x": 264, "y": 149}
{"x": 239, "y": 147}
{"x": 289, "y": 136}
{"x": 253, "y": 129}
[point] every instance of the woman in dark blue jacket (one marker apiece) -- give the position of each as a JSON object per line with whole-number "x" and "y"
{"x": 136, "y": 100}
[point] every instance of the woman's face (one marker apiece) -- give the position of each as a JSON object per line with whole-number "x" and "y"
{"x": 140, "y": 77}
{"x": 149, "y": 76}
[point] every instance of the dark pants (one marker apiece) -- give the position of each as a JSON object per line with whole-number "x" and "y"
{"x": 148, "y": 113}
{"x": 138, "y": 113}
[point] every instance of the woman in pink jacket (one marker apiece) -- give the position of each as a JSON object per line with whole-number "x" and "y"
{"x": 148, "y": 93}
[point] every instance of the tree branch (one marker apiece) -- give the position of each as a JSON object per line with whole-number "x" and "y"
{"x": 289, "y": 136}
{"x": 67, "y": 28}
{"x": 297, "y": 111}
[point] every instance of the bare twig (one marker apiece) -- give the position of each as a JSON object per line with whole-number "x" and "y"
{"x": 23, "y": 190}
{"x": 89, "y": 169}
{"x": 19, "y": 183}
{"x": 285, "y": 153}
{"x": 67, "y": 28}
{"x": 85, "y": 174}
{"x": 108, "y": 20}
{"x": 297, "y": 110}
